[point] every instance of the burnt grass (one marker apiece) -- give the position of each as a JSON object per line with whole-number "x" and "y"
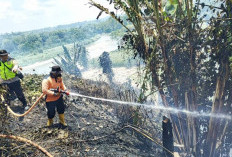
{"x": 95, "y": 128}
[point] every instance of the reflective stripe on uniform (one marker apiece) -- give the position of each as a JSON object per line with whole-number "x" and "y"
{"x": 5, "y": 72}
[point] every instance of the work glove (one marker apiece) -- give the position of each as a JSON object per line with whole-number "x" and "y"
{"x": 67, "y": 92}
{"x": 15, "y": 68}
{"x": 56, "y": 94}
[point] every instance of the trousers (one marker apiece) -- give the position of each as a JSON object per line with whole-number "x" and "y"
{"x": 52, "y": 106}
{"x": 15, "y": 88}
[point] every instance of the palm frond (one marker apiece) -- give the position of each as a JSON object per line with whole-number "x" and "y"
{"x": 66, "y": 54}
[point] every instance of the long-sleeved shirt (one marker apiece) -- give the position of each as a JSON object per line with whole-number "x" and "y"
{"x": 15, "y": 66}
{"x": 50, "y": 83}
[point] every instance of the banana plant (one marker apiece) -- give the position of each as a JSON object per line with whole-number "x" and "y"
{"x": 68, "y": 63}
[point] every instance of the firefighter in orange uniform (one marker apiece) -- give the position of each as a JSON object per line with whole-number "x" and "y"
{"x": 54, "y": 99}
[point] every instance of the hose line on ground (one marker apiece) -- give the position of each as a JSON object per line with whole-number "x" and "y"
{"x": 21, "y": 115}
{"x": 139, "y": 130}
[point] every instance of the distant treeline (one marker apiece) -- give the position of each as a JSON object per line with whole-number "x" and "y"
{"x": 39, "y": 40}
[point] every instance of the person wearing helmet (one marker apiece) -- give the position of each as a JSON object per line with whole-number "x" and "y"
{"x": 54, "y": 99}
{"x": 8, "y": 75}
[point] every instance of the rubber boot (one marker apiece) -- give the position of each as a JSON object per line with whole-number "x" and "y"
{"x": 61, "y": 117}
{"x": 50, "y": 122}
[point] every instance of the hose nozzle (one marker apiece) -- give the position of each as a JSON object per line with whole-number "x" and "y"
{"x": 58, "y": 90}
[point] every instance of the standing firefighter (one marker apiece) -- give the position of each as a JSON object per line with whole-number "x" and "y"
{"x": 8, "y": 73}
{"x": 54, "y": 98}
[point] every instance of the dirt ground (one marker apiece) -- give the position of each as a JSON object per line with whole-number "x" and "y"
{"x": 95, "y": 128}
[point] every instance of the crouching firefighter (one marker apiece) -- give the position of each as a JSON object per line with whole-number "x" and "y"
{"x": 53, "y": 87}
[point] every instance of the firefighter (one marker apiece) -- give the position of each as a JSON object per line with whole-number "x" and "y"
{"x": 54, "y": 98}
{"x": 8, "y": 75}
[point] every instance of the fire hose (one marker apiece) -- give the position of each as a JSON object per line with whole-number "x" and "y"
{"x": 36, "y": 102}
{"x": 21, "y": 115}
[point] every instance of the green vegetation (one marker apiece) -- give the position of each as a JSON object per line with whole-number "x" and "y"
{"x": 119, "y": 58}
{"x": 31, "y": 58}
{"x": 188, "y": 64}
{"x": 69, "y": 64}
{"x": 35, "y": 42}
{"x": 83, "y": 58}
{"x": 28, "y": 59}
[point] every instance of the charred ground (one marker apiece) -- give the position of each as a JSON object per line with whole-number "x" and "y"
{"x": 95, "y": 128}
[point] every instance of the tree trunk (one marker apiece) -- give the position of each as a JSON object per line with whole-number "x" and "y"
{"x": 212, "y": 137}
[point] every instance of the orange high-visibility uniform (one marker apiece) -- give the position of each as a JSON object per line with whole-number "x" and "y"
{"x": 50, "y": 83}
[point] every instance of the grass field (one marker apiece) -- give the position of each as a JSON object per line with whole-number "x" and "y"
{"x": 47, "y": 54}
{"x": 120, "y": 58}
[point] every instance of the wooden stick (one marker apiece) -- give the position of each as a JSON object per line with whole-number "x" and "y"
{"x": 21, "y": 139}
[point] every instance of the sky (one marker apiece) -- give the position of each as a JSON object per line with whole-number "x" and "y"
{"x": 24, "y": 15}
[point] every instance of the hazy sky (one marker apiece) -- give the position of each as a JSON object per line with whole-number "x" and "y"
{"x": 23, "y": 15}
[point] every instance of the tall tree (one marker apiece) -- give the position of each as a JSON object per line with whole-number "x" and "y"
{"x": 180, "y": 46}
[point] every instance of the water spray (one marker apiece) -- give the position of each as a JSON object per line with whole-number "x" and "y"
{"x": 170, "y": 109}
